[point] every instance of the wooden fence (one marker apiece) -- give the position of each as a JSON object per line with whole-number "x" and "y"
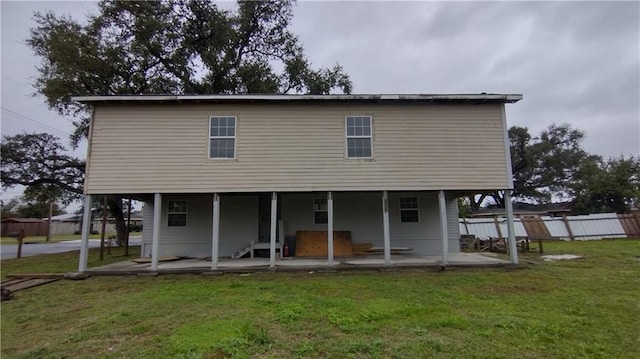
{"x": 57, "y": 227}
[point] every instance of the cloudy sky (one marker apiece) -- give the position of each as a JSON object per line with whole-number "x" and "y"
{"x": 574, "y": 62}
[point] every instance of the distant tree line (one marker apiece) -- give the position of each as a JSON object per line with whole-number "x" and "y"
{"x": 554, "y": 167}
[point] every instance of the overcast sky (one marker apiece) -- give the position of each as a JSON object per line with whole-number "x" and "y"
{"x": 574, "y": 62}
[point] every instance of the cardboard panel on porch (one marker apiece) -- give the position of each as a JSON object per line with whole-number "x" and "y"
{"x": 315, "y": 243}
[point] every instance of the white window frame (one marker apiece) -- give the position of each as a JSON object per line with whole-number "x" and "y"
{"x": 347, "y": 137}
{"x": 416, "y": 209}
{"x": 234, "y": 137}
{"x": 186, "y": 211}
{"x": 318, "y": 207}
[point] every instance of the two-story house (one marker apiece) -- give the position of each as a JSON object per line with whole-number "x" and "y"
{"x": 218, "y": 172}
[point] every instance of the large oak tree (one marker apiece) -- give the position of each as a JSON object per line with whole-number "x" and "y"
{"x": 172, "y": 47}
{"x": 545, "y": 167}
{"x": 40, "y": 163}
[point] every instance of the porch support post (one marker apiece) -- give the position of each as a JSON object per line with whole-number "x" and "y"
{"x": 330, "y": 228}
{"x": 511, "y": 233}
{"x": 155, "y": 234}
{"x": 84, "y": 245}
{"x": 385, "y": 224}
{"x": 274, "y": 222}
{"x": 444, "y": 231}
{"x": 215, "y": 237}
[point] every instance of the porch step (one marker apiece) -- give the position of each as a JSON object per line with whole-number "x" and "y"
{"x": 241, "y": 253}
{"x": 252, "y": 247}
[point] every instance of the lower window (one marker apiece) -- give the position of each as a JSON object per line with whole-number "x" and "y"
{"x": 320, "y": 214}
{"x": 177, "y": 214}
{"x": 409, "y": 212}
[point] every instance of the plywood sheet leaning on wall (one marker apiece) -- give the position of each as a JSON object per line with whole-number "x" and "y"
{"x": 314, "y": 243}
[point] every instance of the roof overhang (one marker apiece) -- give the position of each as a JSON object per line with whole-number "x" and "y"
{"x": 362, "y": 98}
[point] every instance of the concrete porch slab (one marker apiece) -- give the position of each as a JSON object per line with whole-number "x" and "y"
{"x": 189, "y": 265}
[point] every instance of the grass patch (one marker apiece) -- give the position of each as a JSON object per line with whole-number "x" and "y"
{"x": 586, "y": 308}
{"x": 63, "y": 262}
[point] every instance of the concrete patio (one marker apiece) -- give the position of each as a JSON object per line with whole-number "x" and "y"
{"x": 191, "y": 265}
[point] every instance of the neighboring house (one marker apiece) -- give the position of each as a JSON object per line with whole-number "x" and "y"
{"x": 217, "y": 172}
{"x": 67, "y": 223}
{"x": 524, "y": 210}
{"x": 72, "y": 223}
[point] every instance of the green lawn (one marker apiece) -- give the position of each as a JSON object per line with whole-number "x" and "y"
{"x": 63, "y": 262}
{"x": 587, "y": 308}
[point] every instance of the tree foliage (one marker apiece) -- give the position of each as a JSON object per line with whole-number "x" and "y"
{"x": 19, "y": 208}
{"x": 176, "y": 47}
{"x": 544, "y": 167}
{"x": 608, "y": 186}
{"x": 554, "y": 166}
{"x": 38, "y": 162}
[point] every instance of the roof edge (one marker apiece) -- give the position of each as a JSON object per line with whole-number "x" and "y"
{"x": 475, "y": 98}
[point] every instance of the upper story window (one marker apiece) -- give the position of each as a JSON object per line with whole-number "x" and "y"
{"x": 222, "y": 137}
{"x": 177, "y": 214}
{"x": 320, "y": 212}
{"x": 359, "y": 139}
{"x": 409, "y": 212}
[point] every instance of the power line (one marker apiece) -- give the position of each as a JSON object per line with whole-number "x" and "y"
{"x": 33, "y": 122}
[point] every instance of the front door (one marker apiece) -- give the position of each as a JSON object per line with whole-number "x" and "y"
{"x": 264, "y": 215}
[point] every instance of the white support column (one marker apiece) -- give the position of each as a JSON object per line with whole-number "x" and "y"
{"x": 330, "y": 228}
{"x": 444, "y": 231}
{"x": 84, "y": 244}
{"x": 385, "y": 224}
{"x": 274, "y": 222}
{"x": 511, "y": 233}
{"x": 155, "y": 233}
{"x": 215, "y": 237}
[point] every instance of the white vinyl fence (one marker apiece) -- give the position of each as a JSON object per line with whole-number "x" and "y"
{"x": 584, "y": 227}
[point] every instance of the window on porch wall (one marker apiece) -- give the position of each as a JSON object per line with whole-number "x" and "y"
{"x": 320, "y": 213}
{"x": 409, "y": 212}
{"x": 177, "y": 213}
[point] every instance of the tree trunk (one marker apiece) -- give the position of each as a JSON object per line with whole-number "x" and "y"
{"x": 498, "y": 197}
{"x": 115, "y": 209}
{"x": 126, "y": 245}
{"x": 475, "y": 204}
{"x": 49, "y": 220}
{"x": 104, "y": 227}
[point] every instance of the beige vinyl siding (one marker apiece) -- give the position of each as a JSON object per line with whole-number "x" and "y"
{"x": 143, "y": 148}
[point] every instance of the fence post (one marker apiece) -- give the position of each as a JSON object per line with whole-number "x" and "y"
{"x": 495, "y": 221}
{"x": 20, "y": 240}
{"x": 540, "y": 246}
{"x": 635, "y": 216}
{"x": 566, "y": 224}
{"x": 466, "y": 226}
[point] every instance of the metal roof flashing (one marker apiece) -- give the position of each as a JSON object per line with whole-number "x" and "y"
{"x": 439, "y": 98}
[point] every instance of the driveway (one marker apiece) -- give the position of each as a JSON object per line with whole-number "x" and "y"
{"x": 11, "y": 250}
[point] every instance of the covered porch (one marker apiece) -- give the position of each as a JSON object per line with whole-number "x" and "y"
{"x": 244, "y": 265}
{"x": 209, "y": 231}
